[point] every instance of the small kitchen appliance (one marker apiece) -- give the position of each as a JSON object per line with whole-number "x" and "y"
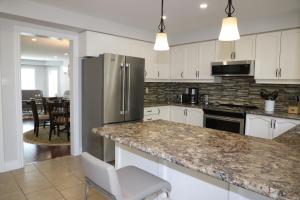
{"x": 190, "y": 96}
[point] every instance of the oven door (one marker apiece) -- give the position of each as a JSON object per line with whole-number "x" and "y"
{"x": 231, "y": 124}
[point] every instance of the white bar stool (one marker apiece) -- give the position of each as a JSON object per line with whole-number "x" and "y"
{"x": 127, "y": 183}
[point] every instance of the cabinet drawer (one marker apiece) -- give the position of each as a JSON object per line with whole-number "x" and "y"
{"x": 150, "y": 111}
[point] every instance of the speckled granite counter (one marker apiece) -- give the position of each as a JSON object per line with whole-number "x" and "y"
{"x": 274, "y": 114}
{"x": 156, "y": 104}
{"x": 254, "y": 112}
{"x": 268, "y": 167}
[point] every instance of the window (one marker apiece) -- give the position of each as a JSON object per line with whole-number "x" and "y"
{"x": 52, "y": 82}
{"x": 27, "y": 79}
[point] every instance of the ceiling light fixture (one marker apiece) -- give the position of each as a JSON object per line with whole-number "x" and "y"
{"x": 164, "y": 17}
{"x": 161, "y": 42}
{"x": 34, "y": 39}
{"x": 203, "y": 5}
{"x": 66, "y": 54}
{"x": 229, "y": 30}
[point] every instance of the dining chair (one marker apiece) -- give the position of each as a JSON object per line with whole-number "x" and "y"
{"x": 59, "y": 116}
{"x": 38, "y": 118}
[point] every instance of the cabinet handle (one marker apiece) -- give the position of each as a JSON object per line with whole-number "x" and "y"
{"x": 231, "y": 56}
{"x": 279, "y": 72}
{"x": 158, "y": 111}
{"x": 276, "y": 72}
{"x": 234, "y": 55}
{"x": 271, "y": 123}
{"x": 274, "y": 126}
{"x": 181, "y": 74}
{"x": 158, "y": 74}
{"x": 196, "y": 74}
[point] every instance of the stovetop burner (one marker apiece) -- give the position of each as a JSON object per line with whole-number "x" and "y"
{"x": 230, "y": 108}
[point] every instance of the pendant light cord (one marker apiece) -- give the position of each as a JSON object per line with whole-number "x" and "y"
{"x": 229, "y": 8}
{"x": 161, "y": 26}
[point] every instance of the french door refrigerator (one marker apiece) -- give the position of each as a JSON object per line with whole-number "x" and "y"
{"x": 112, "y": 92}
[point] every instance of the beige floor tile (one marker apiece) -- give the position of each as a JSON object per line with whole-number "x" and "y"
{"x": 62, "y": 183}
{"x": 13, "y": 196}
{"x": 26, "y": 169}
{"x": 77, "y": 193}
{"x": 48, "y": 194}
{"x": 6, "y": 177}
{"x": 9, "y": 187}
{"x": 57, "y": 172}
{"x": 34, "y": 185}
{"x": 28, "y": 176}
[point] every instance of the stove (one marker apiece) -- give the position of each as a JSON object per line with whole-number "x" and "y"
{"x": 227, "y": 117}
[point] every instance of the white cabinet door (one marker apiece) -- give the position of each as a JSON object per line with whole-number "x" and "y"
{"x": 191, "y": 61}
{"x": 283, "y": 125}
{"x": 207, "y": 51}
{"x": 194, "y": 117}
{"x": 267, "y": 55}
{"x": 259, "y": 126}
{"x": 224, "y": 50}
{"x": 178, "y": 114}
{"x": 177, "y": 62}
{"x": 245, "y": 48}
{"x": 150, "y": 62}
{"x": 290, "y": 55}
{"x": 163, "y": 112}
{"x": 163, "y": 64}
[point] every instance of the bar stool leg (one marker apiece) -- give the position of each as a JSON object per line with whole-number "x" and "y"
{"x": 86, "y": 192}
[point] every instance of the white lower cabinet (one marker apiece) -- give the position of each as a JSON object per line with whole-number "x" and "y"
{"x": 186, "y": 184}
{"x": 191, "y": 116}
{"x": 268, "y": 127}
{"x": 194, "y": 116}
{"x": 178, "y": 114}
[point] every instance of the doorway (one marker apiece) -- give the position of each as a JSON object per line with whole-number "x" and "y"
{"x": 45, "y": 91}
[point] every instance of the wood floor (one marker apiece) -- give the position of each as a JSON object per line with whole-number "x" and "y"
{"x": 34, "y": 153}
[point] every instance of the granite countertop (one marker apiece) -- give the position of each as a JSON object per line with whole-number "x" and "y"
{"x": 268, "y": 167}
{"x": 156, "y": 104}
{"x": 279, "y": 114}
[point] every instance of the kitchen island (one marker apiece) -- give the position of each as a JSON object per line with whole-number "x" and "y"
{"x": 209, "y": 164}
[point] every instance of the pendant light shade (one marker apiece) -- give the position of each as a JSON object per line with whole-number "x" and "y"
{"x": 229, "y": 30}
{"x": 161, "y": 41}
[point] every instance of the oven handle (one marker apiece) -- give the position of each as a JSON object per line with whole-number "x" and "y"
{"x": 231, "y": 119}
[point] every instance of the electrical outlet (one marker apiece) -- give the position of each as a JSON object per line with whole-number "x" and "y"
{"x": 147, "y": 90}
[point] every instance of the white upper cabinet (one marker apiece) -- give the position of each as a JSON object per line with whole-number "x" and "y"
{"x": 267, "y": 55}
{"x": 290, "y": 55}
{"x": 207, "y": 51}
{"x": 150, "y": 62}
{"x": 177, "y": 62}
{"x": 191, "y": 61}
{"x": 242, "y": 49}
{"x": 163, "y": 64}
{"x": 224, "y": 50}
{"x": 245, "y": 48}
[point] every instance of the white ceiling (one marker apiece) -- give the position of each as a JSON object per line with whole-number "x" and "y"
{"x": 45, "y": 49}
{"x": 182, "y": 15}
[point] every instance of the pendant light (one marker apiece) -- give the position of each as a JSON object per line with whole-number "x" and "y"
{"x": 161, "y": 42}
{"x": 229, "y": 31}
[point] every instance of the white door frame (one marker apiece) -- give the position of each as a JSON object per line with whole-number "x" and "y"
{"x": 75, "y": 87}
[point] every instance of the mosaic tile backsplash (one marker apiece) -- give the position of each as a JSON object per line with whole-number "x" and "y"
{"x": 241, "y": 90}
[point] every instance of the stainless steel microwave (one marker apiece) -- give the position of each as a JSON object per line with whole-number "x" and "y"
{"x": 233, "y": 68}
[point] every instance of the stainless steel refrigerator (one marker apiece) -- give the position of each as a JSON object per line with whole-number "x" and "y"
{"x": 112, "y": 92}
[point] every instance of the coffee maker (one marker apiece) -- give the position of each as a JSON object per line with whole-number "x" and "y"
{"x": 190, "y": 95}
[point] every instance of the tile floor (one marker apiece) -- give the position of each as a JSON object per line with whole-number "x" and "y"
{"x": 57, "y": 179}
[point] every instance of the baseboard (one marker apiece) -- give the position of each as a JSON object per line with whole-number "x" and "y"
{"x": 11, "y": 165}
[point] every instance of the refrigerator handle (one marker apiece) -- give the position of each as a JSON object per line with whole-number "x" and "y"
{"x": 122, "y": 89}
{"x": 127, "y": 88}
